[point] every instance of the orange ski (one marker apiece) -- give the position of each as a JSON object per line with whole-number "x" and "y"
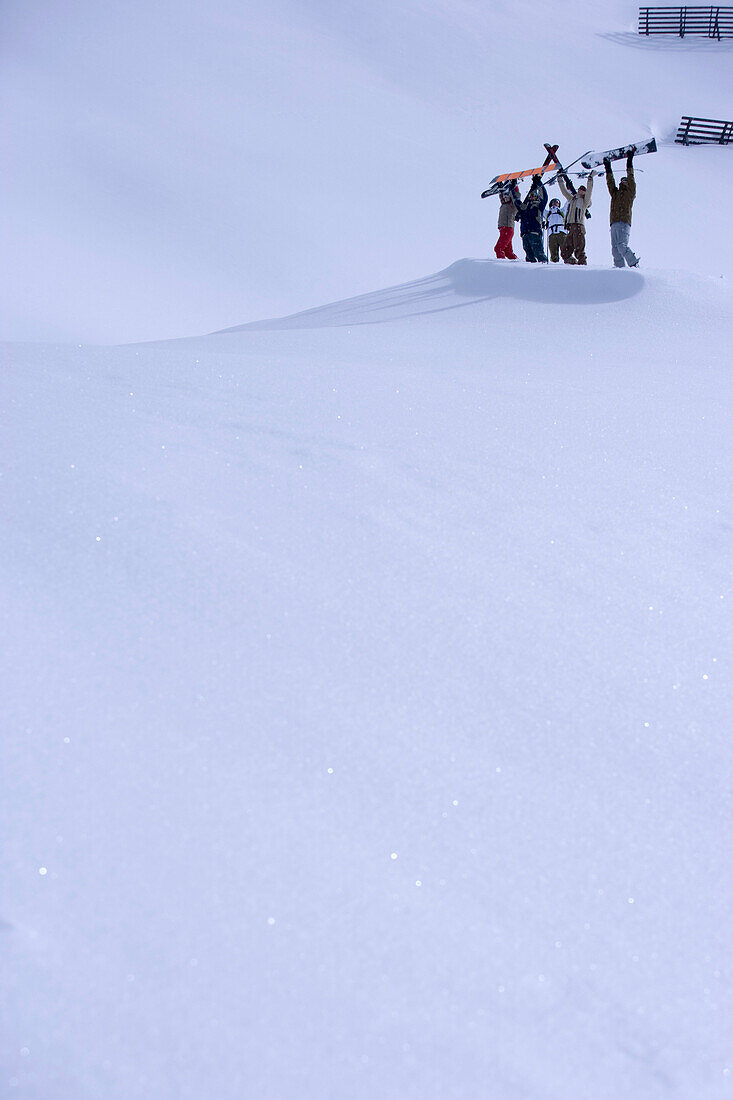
{"x": 495, "y": 186}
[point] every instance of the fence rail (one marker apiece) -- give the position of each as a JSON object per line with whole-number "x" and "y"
{"x": 704, "y": 131}
{"x": 710, "y": 22}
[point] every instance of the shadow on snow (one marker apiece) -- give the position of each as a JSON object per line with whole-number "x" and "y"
{"x": 465, "y": 283}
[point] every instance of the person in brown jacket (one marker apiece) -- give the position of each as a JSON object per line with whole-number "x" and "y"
{"x": 573, "y": 249}
{"x": 622, "y": 199}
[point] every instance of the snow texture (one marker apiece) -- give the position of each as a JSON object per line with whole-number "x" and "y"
{"x": 367, "y": 667}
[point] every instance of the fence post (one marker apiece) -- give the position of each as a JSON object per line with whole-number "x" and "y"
{"x": 687, "y": 131}
{"x": 716, "y": 25}
{"x": 683, "y": 14}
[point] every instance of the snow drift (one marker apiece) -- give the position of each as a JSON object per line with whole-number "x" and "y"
{"x": 366, "y": 700}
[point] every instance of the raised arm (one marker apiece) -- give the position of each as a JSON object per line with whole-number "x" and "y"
{"x": 610, "y": 181}
{"x": 509, "y": 191}
{"x": 563, "y": 187}
{"x": 630, "y": 174}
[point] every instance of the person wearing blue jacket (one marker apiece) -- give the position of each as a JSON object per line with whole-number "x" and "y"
{"x": 530, "y": 212}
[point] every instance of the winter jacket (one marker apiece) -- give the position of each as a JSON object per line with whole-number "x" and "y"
{"x": 622, "y": 197}
{"x": 577, "y": 204}
{"x": 507, "y": 212}
{"x": 555, "y": 220}
{"x": 532, "y": 209}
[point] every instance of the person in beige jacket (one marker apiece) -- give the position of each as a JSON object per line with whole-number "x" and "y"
{"x": 507, "y": 215}
{"x": 573, "y": 249}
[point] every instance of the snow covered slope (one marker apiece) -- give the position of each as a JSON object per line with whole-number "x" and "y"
{"x": 367, "y": 696}
{"x": 366, "y": 666}
{"x": 174, "y": 167}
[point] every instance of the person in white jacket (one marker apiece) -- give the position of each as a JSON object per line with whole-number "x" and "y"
{"x": 556, "y": 232}
{"x": 573, "y": 249}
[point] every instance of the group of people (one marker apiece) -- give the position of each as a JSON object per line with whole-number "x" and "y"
{"x": 565, "y": 225}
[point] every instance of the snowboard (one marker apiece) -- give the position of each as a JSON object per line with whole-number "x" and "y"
{"x": 499, "y": 181}
{"x": 593, "y": 160}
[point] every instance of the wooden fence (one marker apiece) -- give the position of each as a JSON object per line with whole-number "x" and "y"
{"x": 710, "y": 22}
{"x": 704, "y": 131}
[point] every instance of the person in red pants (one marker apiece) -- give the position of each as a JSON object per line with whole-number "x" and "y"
{"x": 507, "y": 214}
